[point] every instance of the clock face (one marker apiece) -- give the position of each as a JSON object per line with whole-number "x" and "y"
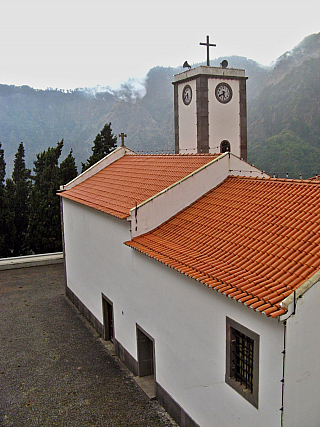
{"x": 187, "y": 95}
{"x": 223, "y": 93}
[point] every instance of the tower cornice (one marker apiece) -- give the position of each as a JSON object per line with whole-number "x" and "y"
{"x": 214, "y": 72}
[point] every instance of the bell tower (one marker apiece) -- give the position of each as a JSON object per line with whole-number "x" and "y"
{"x": 210, "y": 110}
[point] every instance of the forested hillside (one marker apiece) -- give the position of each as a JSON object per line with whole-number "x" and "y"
{"x": 284, "y": 120}
{"x": 283, "y": 114}
{"x": 40, "y": 118}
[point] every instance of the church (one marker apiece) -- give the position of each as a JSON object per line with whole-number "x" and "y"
{"x": 201, "y": 269}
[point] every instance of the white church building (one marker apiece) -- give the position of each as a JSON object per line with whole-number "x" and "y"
{"x": 203, "y": 270}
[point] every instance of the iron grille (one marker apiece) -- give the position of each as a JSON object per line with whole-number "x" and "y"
{"x": 242, "y": 359}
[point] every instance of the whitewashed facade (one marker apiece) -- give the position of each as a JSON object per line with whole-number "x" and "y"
{"x": 187, "y": 321}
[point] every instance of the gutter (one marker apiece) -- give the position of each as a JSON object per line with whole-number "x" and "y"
{"x": 289, "y": 303}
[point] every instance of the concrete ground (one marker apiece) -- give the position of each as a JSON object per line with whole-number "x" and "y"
{"x": 54, "y": 368}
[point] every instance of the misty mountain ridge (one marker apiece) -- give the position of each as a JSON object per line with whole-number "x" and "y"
{"x": 278, "y": 107}
{"x": 284, "y": 120}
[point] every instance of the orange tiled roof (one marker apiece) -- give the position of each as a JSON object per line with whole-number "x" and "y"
{"x": 252, "y": 239}
{"x": 133, "y": 179}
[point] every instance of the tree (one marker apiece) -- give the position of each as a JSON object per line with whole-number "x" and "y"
{"x": 44, "y": 221}
{"x": 5, "y": 217}
{"x": 68, "y": 169}
{"x": 10, "y": 228}
{"x": 18, "y": 192}
{"x": 104, "y": 143}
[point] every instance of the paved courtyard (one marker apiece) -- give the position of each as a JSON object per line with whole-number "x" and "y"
{"x": 54, "y": 368}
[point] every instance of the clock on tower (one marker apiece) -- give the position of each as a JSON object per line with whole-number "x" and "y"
{"x": 210, "y": 111}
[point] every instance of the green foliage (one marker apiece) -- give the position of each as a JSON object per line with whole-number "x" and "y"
{"x": 18, "y": 192}
{"x": 44, "y": 221}
{"x": 104, "y": 143}
{"x": 5, "y": 217}
{"x": 10, "y": 226}
{"x": 2, "y": 166}
{"x": 30, "y": 214}
{"x": 68, "y": 169}
{"x": 286, "y": 153}
{"x": 41, "y": 117}
{"x": 288, "y": 109}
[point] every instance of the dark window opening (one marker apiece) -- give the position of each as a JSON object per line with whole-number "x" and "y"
{"x": 107, "y": 307}
{"x": 145, "y": 353}
{"x": 225, "y": 146}
{"x": 242, "y": 361}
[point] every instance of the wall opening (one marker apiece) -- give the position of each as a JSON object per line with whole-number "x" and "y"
{"x": 242, "y": 360}
{"x": 146, "y": 358}
{"x": 225, "y": 146}
{"x": 108, "y": 323}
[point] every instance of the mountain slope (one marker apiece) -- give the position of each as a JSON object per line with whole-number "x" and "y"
{"x": 283, "y": 102}
{"x": 289, "y": 102}
{"x": 40, "y": 118}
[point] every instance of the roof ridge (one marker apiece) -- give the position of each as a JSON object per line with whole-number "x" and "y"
{"x": 175, "y": 154}
{"x": 286, "y": 180}
{"x": 144, "y": 176}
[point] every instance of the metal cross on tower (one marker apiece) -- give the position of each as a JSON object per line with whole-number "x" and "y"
{"x": 122, "y": 136}
{"x": 208, "y": 45}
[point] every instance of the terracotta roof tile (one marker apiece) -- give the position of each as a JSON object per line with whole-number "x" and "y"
{"x": 255, "y": 240}
{"x": 133, "y": 179}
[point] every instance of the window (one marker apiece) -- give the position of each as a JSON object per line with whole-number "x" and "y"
{"x": 225, "y": 146}
{"x": 242, "y": 367}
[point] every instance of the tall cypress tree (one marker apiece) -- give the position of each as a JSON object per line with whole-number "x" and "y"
{"x": 10, "y": 226}
{"x": 44, "y": 221}
{"x": 18, "y": 192}
{"x": 68, "y": 169}
{"x": 104, "y": 143}
{"x": 5, "y": 216}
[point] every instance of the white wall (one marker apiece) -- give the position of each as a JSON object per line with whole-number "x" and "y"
{"x": 224, "y": 119}
{"x": 186, "y": 319}
{"x": 187, "y": 121}
{"x": 96, "y": 258}
{"x": 188, "y": 322}
{"x": 163, "y": 206}
{"x": 302, "y": 367}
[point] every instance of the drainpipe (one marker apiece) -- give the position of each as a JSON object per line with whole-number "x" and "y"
{"x": 283, "y": 369}
{"x": 136, "y": 217}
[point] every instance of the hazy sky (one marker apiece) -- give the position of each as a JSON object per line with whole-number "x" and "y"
{"x": 69, "y": 44}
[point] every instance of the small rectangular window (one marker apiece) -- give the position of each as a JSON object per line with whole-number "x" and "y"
{"x": 242, "y": 364}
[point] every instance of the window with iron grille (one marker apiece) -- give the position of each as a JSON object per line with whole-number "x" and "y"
{"x": 242, "y": 367}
